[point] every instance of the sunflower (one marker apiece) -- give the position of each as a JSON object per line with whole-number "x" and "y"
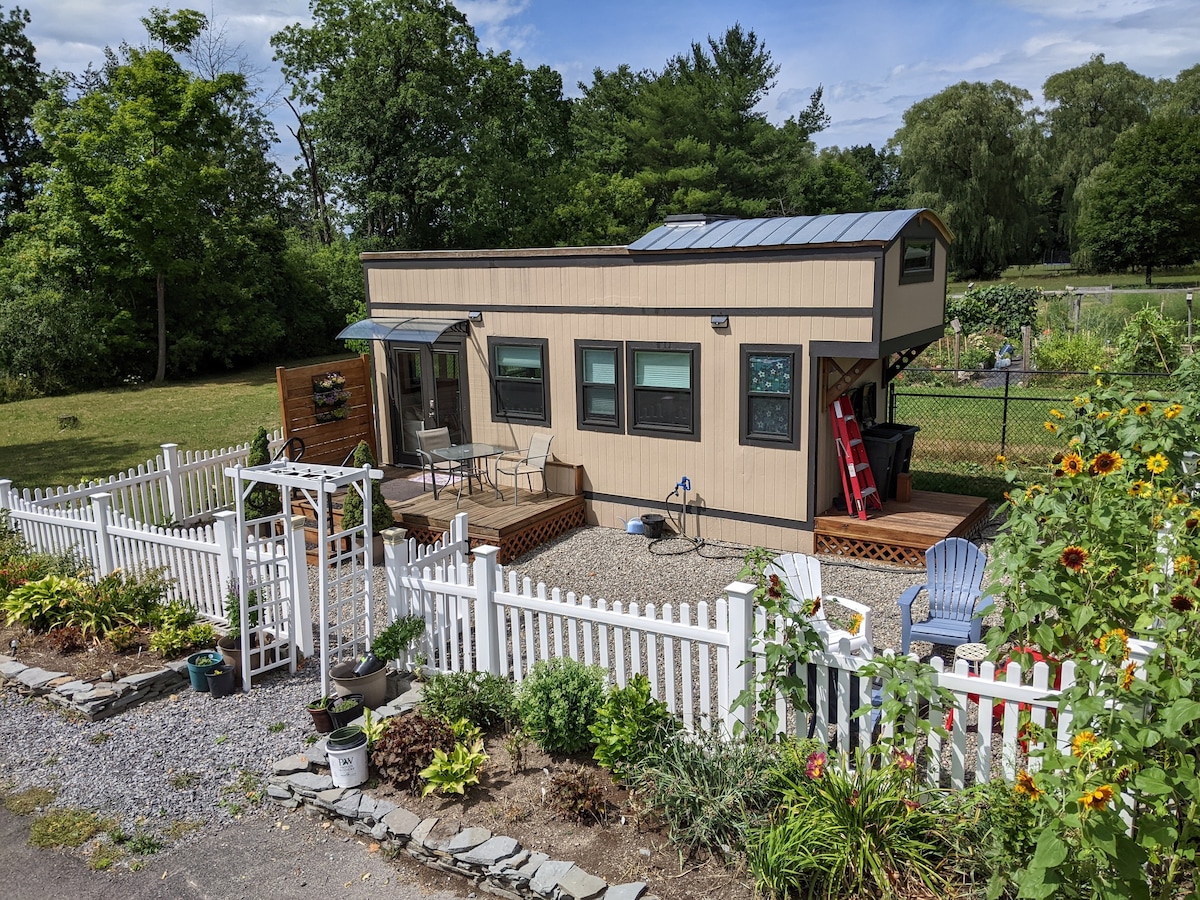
{"x": 1057, "y": 414}
{"x": 1025, "y": 785}
{"x": 1182, "y": 603}
{"x": 1103, "y": 414}
{"x": 1173, "y": 410}
{"x": 1157, "y": 464}
{"x": 1119, "y": 635}
{"x": 1051, "y": 427}
{"x": 1144, "y": 408}
{"x": 1072, "y": 464}
{"x": 1185, "y": 564}
{"x": 856, "y": 621}
{"x": 1106, "y": 462}
{"x": 1081, "y": 741}
{"x": 1074, "y": 558}
{"x": 1001, "y": 459}
{"x": 1078, "y": 401}
{"x": 1141, "y": 488}
{"x": 1097, "y": 799}
{"x": 1127, "y": 676}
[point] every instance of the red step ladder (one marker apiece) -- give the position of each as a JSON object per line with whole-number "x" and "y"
{"x": 858, "y": 482}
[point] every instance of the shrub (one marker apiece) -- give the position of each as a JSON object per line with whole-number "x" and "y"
{"x": 1062, "y": 351}
{"x": 68, "y": 639}
{"x": 1004, "y": 307}
{"x": 483, "y": 699}
{"x": 1148, "y": 343}
{"x": 407, "y": 746}
{"x": 628, "y": 724}
{"x": 263, "y": 499}
{"x": 576, "y": 792}
{"x": 558, "y": 702}
{"x": 352, "y": 506}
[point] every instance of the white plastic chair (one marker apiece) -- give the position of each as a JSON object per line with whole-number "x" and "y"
{"x": 802, "y": 575}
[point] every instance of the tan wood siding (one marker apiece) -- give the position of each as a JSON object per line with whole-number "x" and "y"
{"x": 909, "y": 308}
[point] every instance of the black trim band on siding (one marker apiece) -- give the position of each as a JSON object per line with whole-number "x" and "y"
{"x": 831, "y": 312}
{"x": 726, "y": 514}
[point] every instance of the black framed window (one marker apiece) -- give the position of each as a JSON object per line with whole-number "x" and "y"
{"x": 664, "y": 389}
{"x": 769, "y": 396}
{"x": 916, "y": 262}
{"x": 520, "y": 387}
{"x": 598, "y": 374}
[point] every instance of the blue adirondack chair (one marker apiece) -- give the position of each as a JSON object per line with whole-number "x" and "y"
{"x": 955, "y": 587}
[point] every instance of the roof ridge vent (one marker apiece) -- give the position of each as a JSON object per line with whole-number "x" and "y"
{"x": 694, "y": 220}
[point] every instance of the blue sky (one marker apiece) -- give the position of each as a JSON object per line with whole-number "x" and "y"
{"x": 875, "y": 58}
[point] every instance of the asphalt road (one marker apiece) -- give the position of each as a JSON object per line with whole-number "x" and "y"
{"x": 253, "y": 858}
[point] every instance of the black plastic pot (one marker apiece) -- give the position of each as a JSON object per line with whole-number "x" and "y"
{"x": 342, "y": 719}
{"x": 652, "y": 524}
{"x": 221, "y": 682}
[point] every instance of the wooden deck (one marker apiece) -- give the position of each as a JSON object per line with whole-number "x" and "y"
{"x": 902, "y": 532}
{"x": 490, "y": 520}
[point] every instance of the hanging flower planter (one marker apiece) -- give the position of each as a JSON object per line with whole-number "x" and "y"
{"x": 331, "y": 400}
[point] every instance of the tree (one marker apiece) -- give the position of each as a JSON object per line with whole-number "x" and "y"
{"x": 385, "y": 89}
{"x": 968, "y": 153}
{"x": 20, "y": 90}
{"x": 1142, "y": 207}
{"x": 1180, "y": 97}
{"x": 1090, "y": 106}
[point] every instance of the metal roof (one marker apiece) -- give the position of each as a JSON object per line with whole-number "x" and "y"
{"x": 698, "y": 233}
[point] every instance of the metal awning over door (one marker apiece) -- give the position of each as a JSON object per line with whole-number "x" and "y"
{"x": 411, "y": 330}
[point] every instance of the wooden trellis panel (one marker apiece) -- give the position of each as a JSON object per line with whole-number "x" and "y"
{"x": 349, "y": 420}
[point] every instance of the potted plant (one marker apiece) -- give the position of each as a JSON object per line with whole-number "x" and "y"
{"x": 352, "y": 506}
{"x": 221, "y": 681}
{"x": 319, "y": 710}
{"x": 199, "y": 665}
{"x": 368, "y": 674}
{"x": 231, "y": 644}
{"x": 344, "y": 710}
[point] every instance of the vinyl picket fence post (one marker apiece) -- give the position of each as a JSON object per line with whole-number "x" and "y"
{"x": 173, "y": 483}
{"x": 487, "y": 632}
{"x": 395, "y": 557}
{"x": 101, "y": 504}
{"x": 739, "y": 667}
{"x": 224, "y": 524}
{"x": 5, "y": 493}
{"x": 301, "y": 607}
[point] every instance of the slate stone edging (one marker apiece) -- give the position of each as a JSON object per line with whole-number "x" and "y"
{"x": 95, "y": 698}
{"x": 494, "y": 863}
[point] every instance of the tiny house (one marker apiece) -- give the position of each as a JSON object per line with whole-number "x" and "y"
{"x": 710, "y": 348}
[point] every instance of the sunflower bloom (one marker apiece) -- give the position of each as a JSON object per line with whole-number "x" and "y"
{"x": 1097, "y": 799}
{"x": 1157, "y": 464}
{"x": 1026, "y": 786}
{"x": 1182, "y": 603}
{"x": 1118, "y": 635}
{"x": 1185, "y": 564}
{"x": 1173, "y": 410}
{"x": 1001, "y": 459}
{"x": 1057, "y": 414}
{"x": 1082, "y": 741}
{"x": 1074, "y": 558}
{"x": 1051, "y": 427}
{"x": 1072, "y": 464}
{"x": 1106, "y": 463}
{"x": 1103, "y": 414}
{"x": 1144, "y": 408}
{"x": 856, "y": 621}
{"x": 1141, "y": 488}
{"x": 1127, "y": 676}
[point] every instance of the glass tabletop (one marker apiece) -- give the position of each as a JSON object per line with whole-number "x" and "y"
{"x": 463, "y": 452}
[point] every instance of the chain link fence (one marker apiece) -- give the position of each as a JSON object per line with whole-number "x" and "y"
{"x": 968, "y": 418}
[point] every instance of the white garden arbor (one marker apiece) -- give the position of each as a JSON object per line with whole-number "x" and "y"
{"x": 272, "y": 579}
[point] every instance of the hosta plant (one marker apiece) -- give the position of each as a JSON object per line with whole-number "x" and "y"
{"x": 454, "y": 772}
{"x": 43, "y": 604}
{"x": 1100, "y": 551}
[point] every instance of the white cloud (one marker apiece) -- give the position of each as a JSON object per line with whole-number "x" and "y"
{"x": 492, "y": 21}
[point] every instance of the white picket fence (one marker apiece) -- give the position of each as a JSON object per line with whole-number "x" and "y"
{"x": 175, "y": 487}
{"x": 699, "y": 659}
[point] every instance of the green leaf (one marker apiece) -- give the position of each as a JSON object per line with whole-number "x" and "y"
{"x": 1181, "y": 713}
{"x": 1050, "y": 851}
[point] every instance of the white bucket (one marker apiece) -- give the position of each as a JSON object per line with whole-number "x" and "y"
{"x": 348, "y": 765}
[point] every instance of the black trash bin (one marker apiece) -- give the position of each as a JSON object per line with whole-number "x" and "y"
{"x": 907, "y": 435}
{"x": 882, "y": 451}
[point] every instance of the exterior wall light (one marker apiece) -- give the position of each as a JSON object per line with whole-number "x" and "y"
{"x": 719, "y": 321}
{"x": 476, "y": 317}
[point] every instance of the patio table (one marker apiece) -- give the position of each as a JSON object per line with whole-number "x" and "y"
{"x": 469, "y": 456}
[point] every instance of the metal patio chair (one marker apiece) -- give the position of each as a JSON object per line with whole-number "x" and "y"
{"x": 525, "y": 462}
{"x": 429, "y": 440}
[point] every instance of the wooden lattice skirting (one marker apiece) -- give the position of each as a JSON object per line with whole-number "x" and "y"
{"x": 857, "y": 548}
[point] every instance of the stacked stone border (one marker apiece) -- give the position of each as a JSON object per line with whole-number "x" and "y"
{"x": 496, "y": 864}
{"x": 96, "y": 698}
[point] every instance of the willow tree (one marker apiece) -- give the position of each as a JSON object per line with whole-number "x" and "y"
{"x": 969, "y": 153}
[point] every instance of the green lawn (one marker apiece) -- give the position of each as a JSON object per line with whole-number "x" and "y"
{"x": 121, "y": 429}
{"x": 1056, "y": 279}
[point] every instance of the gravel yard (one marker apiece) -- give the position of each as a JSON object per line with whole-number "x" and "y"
{"x": 182, "y": 760}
